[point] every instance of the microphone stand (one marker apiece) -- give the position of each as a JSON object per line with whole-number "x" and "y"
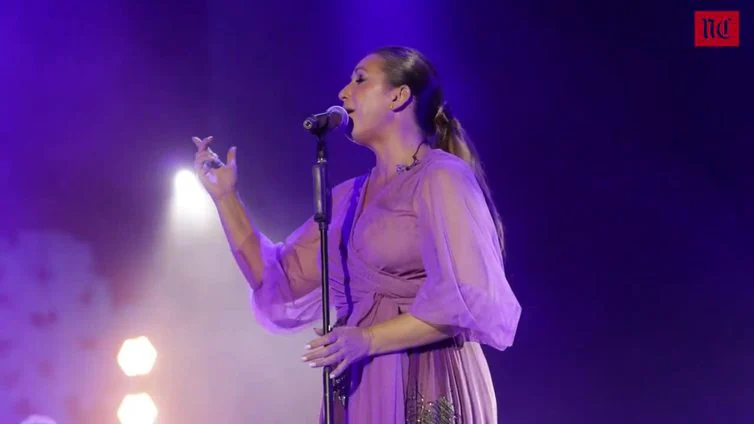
{"x": 322, "y": 212}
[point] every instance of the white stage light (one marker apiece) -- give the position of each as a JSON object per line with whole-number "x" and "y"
{"x": 191, "y": 203}
{"x": 188, "y": 188}
{"x": 137, "y": 409}
{"x": 137, "y": 356}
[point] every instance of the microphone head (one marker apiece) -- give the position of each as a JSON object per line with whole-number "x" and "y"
{"x": 338, "y": 116}
{"x": 321, "y": 123}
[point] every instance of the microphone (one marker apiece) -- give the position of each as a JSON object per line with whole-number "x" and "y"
{"x": 321, "y": 123}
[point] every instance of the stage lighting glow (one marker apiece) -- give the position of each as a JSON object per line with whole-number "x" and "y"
{"x": 188, "y": 187}
{"x": 191, "y": 202}
{"x": 137, "y": 356}
{"x": 137, "y": 409}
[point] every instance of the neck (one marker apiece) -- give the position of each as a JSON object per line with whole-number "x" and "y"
{"x": 394, "y": 149}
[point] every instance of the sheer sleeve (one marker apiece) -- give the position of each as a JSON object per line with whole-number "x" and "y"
{"x": 289, "y": 267}
{"x": 466, "y": 286}
{"x": 290, "y": 295}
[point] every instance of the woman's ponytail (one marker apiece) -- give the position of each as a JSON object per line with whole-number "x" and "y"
{"x": 451, "y": 137}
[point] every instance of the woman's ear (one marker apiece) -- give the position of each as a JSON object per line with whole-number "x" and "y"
{"x": 401, "y": 98}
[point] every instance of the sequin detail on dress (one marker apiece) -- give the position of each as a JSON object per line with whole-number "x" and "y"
{"x": 340, "y": 387}
{"x": 419, "y": 411}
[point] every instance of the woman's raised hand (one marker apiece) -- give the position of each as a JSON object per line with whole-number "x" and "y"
{"x": 218, "y": 178}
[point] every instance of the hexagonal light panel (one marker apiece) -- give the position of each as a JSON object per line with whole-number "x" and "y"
{"x": 137, "y": 409}
{"x": 137, "y": 356}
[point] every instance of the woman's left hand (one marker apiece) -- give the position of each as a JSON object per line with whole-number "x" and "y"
{"x": 342, "y": 346}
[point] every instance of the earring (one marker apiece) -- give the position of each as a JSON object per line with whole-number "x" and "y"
{"x": 391, "y": 106}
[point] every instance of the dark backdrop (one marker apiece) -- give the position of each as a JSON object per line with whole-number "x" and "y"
{"x": 619, "y": 156}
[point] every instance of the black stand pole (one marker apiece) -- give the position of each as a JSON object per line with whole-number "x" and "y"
{"x": 322, "y": 213}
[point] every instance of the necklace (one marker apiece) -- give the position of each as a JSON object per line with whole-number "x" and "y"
{"x": 401, "y": 168}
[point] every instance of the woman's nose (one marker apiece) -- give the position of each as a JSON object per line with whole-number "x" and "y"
{"x": 343, "y": 94}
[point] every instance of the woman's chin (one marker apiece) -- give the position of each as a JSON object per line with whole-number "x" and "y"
{"x": 354, "y": 134}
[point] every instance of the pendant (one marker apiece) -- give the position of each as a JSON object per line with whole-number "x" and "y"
{"x": 401, "y": 168}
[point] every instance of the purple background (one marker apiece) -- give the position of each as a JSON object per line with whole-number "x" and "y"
{"x": 619, "y": 155}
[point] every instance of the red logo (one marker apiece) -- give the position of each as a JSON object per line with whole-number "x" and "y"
{"x": 716, "y": 28}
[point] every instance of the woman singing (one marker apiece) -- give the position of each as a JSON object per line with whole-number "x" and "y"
{"x": 416, "y": 258}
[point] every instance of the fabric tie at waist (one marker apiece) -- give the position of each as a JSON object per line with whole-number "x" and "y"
{"x": 373, "y": 308}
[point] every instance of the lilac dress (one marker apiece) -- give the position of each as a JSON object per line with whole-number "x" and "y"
{"x": 425, "y": 245}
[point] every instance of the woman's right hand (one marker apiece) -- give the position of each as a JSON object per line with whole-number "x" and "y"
{"x": 218, "y": 181}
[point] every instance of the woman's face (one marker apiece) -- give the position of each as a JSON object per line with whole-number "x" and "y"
{"x": 367, "y": 98}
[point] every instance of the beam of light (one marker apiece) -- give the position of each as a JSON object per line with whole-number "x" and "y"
{"x": 191, "y": 269}
{"x": 191, "y": 204}
{"x": 137, "y": 356}
{"x": 137, "y": 408}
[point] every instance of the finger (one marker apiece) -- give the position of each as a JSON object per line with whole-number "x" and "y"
{"x": 341, "y": 368}
{"x": 323, "y": 341}
{"x": 319, "y": 331}
{"x": 200, "y": 143}
{"x": 320, "y": 352}
{"x": 204, "y": 155}
{"x": 203, "y": 143}
{"x": 328, "y": 360}
{"x": 231, "y": 160}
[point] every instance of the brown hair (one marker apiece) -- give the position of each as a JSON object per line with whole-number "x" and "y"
{"x": 407, "y": 66}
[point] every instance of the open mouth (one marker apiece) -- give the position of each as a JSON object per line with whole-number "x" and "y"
{"x": 349, "y": 111}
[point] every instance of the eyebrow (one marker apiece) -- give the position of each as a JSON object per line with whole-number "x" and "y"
{"x": 359, "y": 68}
